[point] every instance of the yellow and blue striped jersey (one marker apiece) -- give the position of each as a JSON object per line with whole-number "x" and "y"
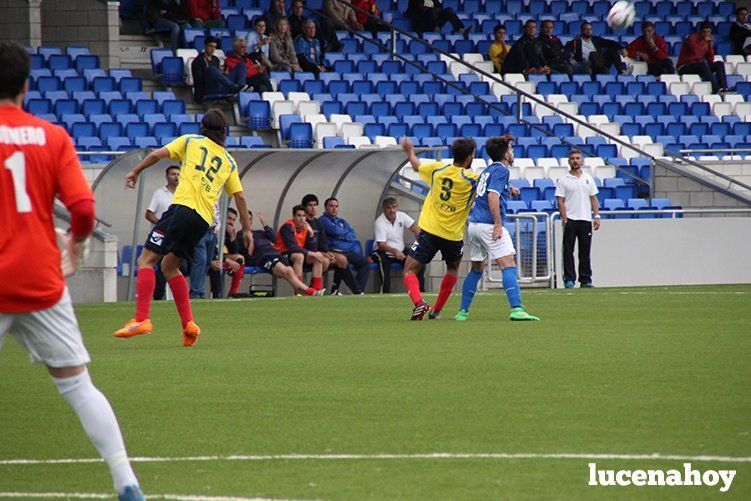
{"x": 205, "y": 168}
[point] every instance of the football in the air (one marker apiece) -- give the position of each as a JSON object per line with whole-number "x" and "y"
{"x": 621, "y": 15}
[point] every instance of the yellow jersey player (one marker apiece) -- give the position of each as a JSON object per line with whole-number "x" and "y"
{"x": 205, "y": 168}
{"x": 442, "y": 220}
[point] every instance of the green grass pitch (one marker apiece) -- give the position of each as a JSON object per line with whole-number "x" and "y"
{"x": 606, "y": 371}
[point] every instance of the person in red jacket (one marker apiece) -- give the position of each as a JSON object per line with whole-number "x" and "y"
{"x": 295, "y": 239}
{"x": 651, "y": 49}
{"x": 255, "y": 75}
{"x": 697, "y": 58}
{"x": 204, "y": 13}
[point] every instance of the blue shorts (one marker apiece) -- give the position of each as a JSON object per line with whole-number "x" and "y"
{"x": 178, "y": 231}
{"x": 428, "y": 245}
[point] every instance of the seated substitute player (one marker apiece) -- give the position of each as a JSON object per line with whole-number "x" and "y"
{"x": 266, "y": 256}
{"x": 442, "y": 220}
{"x": 297, "y": 240}
{"x": 40, "y": 163}
{"x": 233, "y": 261}
{"x": 486, "y": 232}
{"x": 206, "y": 168}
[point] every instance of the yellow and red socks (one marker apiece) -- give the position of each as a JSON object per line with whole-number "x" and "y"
{"x": 181, "y": 293}
{"x": 317, "y": 283}
{"x": 447, "y": 285}
{"x": 145, "y": 284}
{"x": 412, "y": 284}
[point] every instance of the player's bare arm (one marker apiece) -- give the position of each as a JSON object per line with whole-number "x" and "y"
{"x": 132, "y": 177}
{"x": 494, "y": 203}
{"x": 242, "y": 208}
{"x": 409, "y": 149}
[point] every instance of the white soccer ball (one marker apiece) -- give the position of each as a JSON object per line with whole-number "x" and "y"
{"x": 621, "y": 15}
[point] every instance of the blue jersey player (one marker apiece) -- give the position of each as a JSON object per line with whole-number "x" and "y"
{"x": 486, "y": 233}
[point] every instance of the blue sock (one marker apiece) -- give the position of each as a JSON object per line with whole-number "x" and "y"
{"x": 469, "y": 288}
{"x": 511, "y": 286}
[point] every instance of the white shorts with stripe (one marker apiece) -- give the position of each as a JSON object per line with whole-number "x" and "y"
{"x": 51, "y": 336}
{"x": 481, "y": 243}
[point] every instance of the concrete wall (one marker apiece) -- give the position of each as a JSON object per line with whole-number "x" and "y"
{"x": 688, "y": 193}
{"x": 91, "y": 23}
{"x": 15, "y": 21}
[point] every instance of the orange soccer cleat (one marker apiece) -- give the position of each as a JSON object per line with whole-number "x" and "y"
{"x": 134, "y": 328}
{"x": 190, "y": 333}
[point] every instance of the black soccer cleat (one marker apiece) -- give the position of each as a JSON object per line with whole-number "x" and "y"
{"x": 420, "y": 310}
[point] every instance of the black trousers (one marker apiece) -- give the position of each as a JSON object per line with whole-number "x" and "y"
{"x": 714, "y": 73}
{"x": 435, "y": 18}
{"x": 260, "y": 83}
{"x": 362, "y": 270}
{"x": 610, "y": 57}
{"x": 345, "y": 274}
{"x": 661, "y": 68}
{"x": 582, "y": 231}
{"x": 384, "y": 262}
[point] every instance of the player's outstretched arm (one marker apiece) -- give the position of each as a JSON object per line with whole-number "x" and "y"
{"x": 151, "y": 159}
{"x": 242, "y": 209}
{"x": 409, "y": 149}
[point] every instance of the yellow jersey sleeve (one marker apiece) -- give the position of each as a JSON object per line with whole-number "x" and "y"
{"x": 177, "y": 148}
{"x": 426, "y": 171}
{"x": 233, "y": 184}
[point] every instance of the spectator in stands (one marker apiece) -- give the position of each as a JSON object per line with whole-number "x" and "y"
{"x": 166, "y": 15}
{"x": 325, "y": 30}
{"x": 576, "y": 194}
{"x": 652, "y": 49}
{"x": 255, "y": 75}
{"x": 342, "y": 270}
{"x": 597, "y": 53}
{"x": 498, "y": 50}
{"x": 274, "y": 13}
{"x": 234, "y": 261}
{"x": 388, "y": 245}
{"x": 342, "y": 238}
{"x": 368, "y": 23}
{"x": 208, "y": 79}
{"x": 282, "y": 48}
{"x": 204, "y": 13}
{"x": 160, "y": 202}
{"x": 740, "y": 32}
{"x": 258, "y": 43}
{"x": 297, "y": 240}
{"x": 341, "y": 15}
{"x": 308, "y": 49}
{"x": 555, "y": 55}
{"x": 430, "y": 15}
{"x": 525, "y": 56}
{"x": 266, "y": 256}
{"x": 697, "y": 58}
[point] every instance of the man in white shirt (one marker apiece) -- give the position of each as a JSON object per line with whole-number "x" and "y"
{"x": 388, "y": 245}
{"x": 160, "y": 202}
{"x": 576, "y": 193}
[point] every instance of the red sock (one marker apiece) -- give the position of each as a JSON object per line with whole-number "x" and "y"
{"x": 310, "y": 291}
{"x": 180, "y": 292}
{"x": 447, "y": 285}
{"x": 413, "y": 287}
{"x": 317, "y": 283}
{"x": 145, "y": 284}
{"x": 299, "y": 277}
{"x": 236, "y": 279}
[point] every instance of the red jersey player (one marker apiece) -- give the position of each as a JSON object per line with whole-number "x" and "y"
{"x": 38, "y": 163}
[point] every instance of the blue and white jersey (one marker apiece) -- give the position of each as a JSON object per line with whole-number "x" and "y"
{"x": 494, "y": 178}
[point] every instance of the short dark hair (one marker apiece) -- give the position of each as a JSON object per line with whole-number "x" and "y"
{"x": 166, "y": 171}
{"x": 647, "y": 24}
{"x": 297, "y": 208}
{"x": 584, "y": 23}
{"x": 497, "y": 147}
{"x": 309, "y": 198}
{"x": 574, "y": 151}
{"x": 214, "y": 126}
{"x": 389, "y": 201}
{"x": 233, "y": 211}
{"x": 330, "y": 199}
{"x": 530, "y": 21}
{"x": 462, "y": 149}
{"x": 258, "y": 19}
{"x": 250, "y": 213}
{"x": 739, "y": 9}
{"x": 498, "y": 27}
{"x": 547, "y": 21}
{"x": 210, "y": 39}
{"x": 15, "y": 62}
{"x": 704, "y": 25}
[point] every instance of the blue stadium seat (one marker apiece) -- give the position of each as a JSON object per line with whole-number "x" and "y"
{"x": 301, "y": 135}
{"x": 259, "y": 115}
{"x": 172, "y": 71}
{"x": 251, "y": 141}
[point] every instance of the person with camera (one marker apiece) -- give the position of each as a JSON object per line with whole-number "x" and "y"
{"x": 255, "y": 75}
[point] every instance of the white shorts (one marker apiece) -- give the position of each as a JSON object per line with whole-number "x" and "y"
{"x": 481, "y": 243}
{"x": 51, "y": 336}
